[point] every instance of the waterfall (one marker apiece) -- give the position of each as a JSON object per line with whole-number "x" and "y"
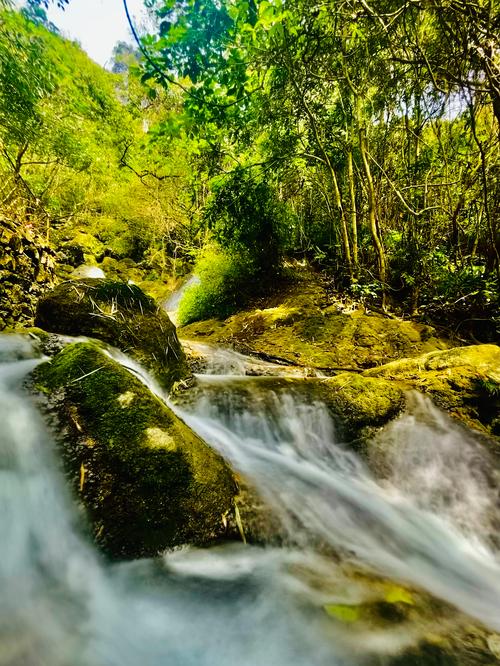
{"x": 61, "y": 603}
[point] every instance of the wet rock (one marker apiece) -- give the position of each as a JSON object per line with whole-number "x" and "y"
{"x": 465, "y": 381}
{"x": 121, "y": 315}
{"x": 459, "y": 650}
{"x": 357, "y": 402}
{"x": 419, "y": 630}
{"x": 147, "y": 481}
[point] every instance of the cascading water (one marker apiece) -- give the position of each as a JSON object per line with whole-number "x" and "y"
{"x": 61, "y": 604}
{"x": 287, "y": 447}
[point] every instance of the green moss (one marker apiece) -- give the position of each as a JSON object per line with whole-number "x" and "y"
{"x": 346, "y": 614}
{"x": 121, "y": 315}
{"x": 478, "y": 357}
{"x": 458, "y": 380}
{"x": 397, "y": 594}
{"x": 361, "y": 401}
{"x": 148, "y": 481}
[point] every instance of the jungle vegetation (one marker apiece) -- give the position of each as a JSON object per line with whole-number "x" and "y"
{"x": 362, "y": 136}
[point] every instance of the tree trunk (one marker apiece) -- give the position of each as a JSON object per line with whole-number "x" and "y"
{"x": 354, "y": 220}
{"x": 372, "y": 215}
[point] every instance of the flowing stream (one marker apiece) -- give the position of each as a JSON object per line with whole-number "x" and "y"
{"x": 429, "y": 523}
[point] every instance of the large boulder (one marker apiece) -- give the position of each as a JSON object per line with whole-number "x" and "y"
{"x": 464, "y": 381}
{"x": 120, "y": 314}
{"x": 147, "y": 481}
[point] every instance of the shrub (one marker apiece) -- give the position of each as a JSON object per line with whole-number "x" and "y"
{"x": 245, "y": 217}
{"x": 225, "y": 284}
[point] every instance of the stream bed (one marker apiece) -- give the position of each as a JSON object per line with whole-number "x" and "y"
{"x": 422, "y": 534}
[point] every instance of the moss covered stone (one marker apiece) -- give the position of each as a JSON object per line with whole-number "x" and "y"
{"x": 357, "y": 402}
{"x": 83, "y": 247}
{"x": 121, "y": 315}
{"x": 147, "y": 480}
{"x": 419, "y": 630}
{"x": 303, "y": 326}
{"x": 465, "y": 381}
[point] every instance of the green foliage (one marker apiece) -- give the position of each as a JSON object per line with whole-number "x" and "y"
{"x": 490, "y": 387}
{"x": 369, "y": 145}
{"x": 226, "y": 282}
{"x": 59, "y": 120}
{"x": 384, "y": 145}
{"x": 245, "y": 216}
{"x": 84, "y": 150}
{"x": 26, "y": 80}
{"x": 246, "y": 220}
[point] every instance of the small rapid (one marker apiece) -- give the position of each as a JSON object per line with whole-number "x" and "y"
{"x": 421, "y": 534}
{"x": 61, "y": 603}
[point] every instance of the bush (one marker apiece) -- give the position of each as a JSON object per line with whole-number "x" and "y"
{"x": 122, "y": 237}
{"x": 245, "y": 217}
{"x": 225, "y": 280}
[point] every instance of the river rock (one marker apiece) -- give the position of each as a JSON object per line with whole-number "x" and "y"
{"x": 357, "y": 402}
{"x": 465, "y": 381}
{"x": 147, "y": 481}
{"x": 121, "y": 315}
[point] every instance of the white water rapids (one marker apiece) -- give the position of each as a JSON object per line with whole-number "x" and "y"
{"x": 429, "y": 523}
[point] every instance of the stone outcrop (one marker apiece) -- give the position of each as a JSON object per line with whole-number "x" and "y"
{"x": 26, "y": 272}
{"x": 464, "y": 381}
{"x": 147, "y": 481}
{"x": 121, "y": 315}
{"x": 303, "y": 325}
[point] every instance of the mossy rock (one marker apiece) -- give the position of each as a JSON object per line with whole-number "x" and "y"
{"x": 303, "y": 326}
{"x": 121, "y": 315}
{"x": 464, "y": 381}
{"x": 357, "y": 402}
{"x": 430, "y": 632}
{"x": 353, "y": 401}
{"x": 124, "y": 270}
{"x": 83, "y": 247}
{"x": 147, "y": 481}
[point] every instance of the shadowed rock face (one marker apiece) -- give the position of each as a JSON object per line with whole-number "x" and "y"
{"x": 121, "y": 315}
{"x": 147, "y": 481}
